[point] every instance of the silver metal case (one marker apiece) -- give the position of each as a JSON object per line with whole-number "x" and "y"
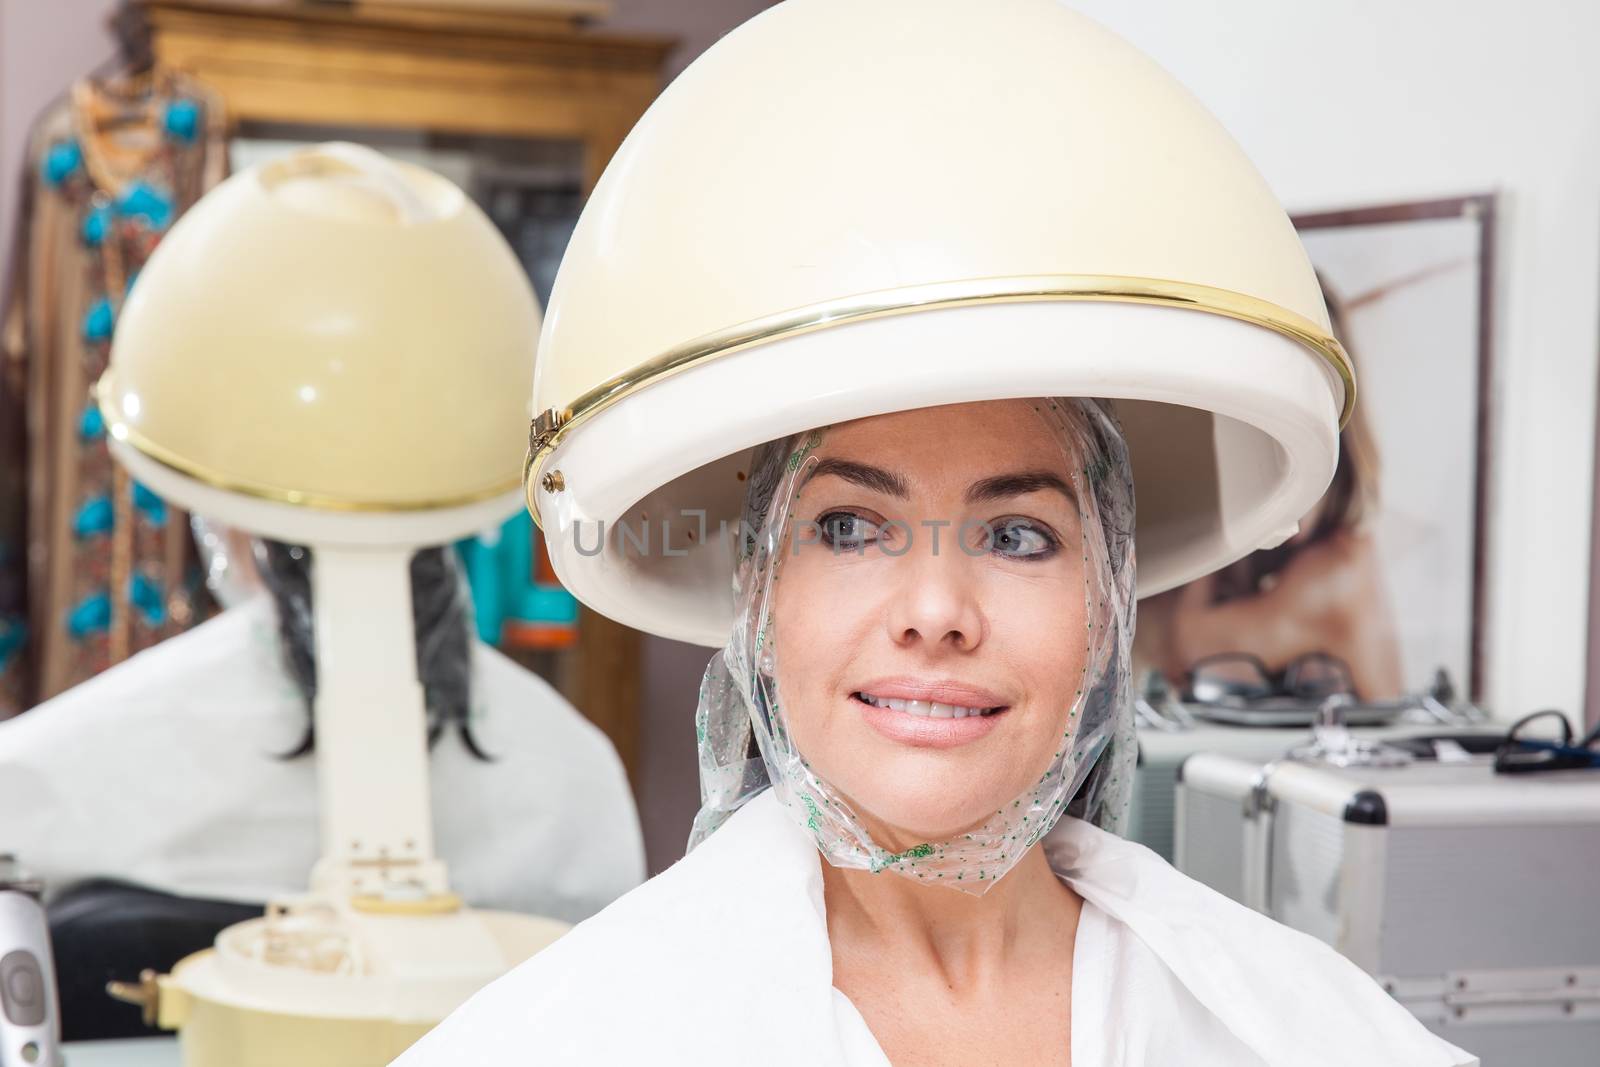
{"x": 1469, "y": 895}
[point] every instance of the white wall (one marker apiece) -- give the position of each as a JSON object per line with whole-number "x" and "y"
{"x": 44, "y": 47}
{"x": 1365, "y": 101}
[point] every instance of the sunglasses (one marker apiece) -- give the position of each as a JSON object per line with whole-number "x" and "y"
{"x": 1524, "y": 755}
{"x": 1239, "y": 679}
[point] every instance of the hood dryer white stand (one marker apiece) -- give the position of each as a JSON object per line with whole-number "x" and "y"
{"x": 379, "y": 950}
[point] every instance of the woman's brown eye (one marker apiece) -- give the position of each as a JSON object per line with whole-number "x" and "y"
{"x": 845, "y": 531}
{"x": 1022, "y": 539}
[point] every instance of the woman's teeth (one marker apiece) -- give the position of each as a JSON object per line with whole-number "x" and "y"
{"x": 926, "y": 708}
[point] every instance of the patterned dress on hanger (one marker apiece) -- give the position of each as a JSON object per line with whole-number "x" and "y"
{"x": 93, "y": 566}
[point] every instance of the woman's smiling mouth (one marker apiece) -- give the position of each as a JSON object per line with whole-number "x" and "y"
{"x": 929, "y": 714}
{"x": 928, "y": 708}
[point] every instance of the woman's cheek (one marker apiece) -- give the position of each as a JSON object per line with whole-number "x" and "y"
{"x": 1039, "y": 632}
{"x": 807, "y": 652}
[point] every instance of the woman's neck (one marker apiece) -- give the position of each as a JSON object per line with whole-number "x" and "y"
{"x": 945, "y": 977}
{"x": 960, "y": 936}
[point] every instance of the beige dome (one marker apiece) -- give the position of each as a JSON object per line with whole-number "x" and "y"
{"x": 848, "y": 208}
{"x": 332, "y": 330}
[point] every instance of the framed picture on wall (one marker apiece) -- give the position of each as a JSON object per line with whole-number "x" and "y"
{"x": 1384, "y": 585}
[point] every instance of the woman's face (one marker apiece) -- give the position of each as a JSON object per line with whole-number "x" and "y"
{"x": 930, "y": 616}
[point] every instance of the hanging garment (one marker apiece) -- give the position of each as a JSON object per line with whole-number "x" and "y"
{"x": 93, "y": 566}
{"x": 168, "y": 771}
{"x": 725, "y": 959}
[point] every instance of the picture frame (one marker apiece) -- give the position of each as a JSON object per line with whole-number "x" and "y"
{"x": 1381, "y": 592}
{"x": 1424, "y": 259}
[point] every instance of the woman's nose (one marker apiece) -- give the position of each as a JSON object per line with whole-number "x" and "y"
{"x": 936, "y": 605}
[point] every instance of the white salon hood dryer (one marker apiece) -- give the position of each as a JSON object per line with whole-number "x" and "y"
{"x": 844, "y": 209}
{"x": 334, "y": 350}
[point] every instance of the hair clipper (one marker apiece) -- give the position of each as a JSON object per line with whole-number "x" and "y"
{"x": 30, "y": 1025}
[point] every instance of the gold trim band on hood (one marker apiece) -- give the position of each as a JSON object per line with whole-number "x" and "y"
{"x": 549, "y": 427}
{"x": 119, "y": 429}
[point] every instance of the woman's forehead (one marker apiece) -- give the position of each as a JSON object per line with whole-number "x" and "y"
{"x": 980, "y": 437}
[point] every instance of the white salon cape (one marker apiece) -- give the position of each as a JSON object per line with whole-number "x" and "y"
{"x": 724, "y": 959}
{"x": 165, "y": 771}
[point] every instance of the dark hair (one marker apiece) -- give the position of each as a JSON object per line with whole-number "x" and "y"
{"x": 441, "y": 613}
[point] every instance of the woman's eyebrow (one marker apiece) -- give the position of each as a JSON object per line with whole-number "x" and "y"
{"x": 1002, "y": 486}
{"x": 998, "y": 487}
{"x": 866, "y": 476}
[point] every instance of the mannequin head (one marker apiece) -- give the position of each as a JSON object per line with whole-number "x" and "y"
{"x": 936, "y": 556}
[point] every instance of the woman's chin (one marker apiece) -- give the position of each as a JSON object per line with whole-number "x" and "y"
{"x": 905, "y": 819}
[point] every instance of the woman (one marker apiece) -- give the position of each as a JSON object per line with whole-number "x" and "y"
{"x": 823, "y": 286}
{"x": 932, "y": 709}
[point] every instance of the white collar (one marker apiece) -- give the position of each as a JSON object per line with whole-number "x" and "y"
{"x": 1272, "y": 987}
{"x": 725, "y": 958}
